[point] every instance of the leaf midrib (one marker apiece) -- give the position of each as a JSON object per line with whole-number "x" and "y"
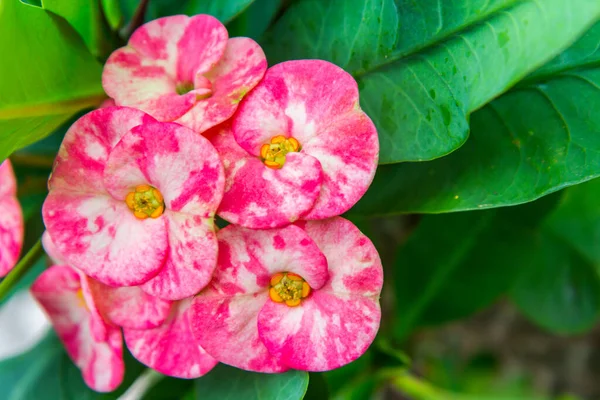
{"x": 435, "y": 41}
{"x": 51, "y": 107}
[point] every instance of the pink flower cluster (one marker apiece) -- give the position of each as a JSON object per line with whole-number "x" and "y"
{"x": 201, "y": 128}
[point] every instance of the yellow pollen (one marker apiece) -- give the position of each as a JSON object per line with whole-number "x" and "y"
{"x": 273, "y": 154}
{"x": 288, "y": 288}
{"x": 81, "y": 300}
{"x": 145, "y": 201}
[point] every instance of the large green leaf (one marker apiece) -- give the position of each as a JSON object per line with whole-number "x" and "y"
{"x": 544, "y": 253}
{"x": 537, "y": 138}
{"x": 456, "y": 264}
{"x": 561, "y": 290}
{"x": 255, "y": 20}
{"x": 227, "y": 383}
{"x": 223, "y": 10}
{"x": 46, "y": 373}
{"x": 46, "y": 75}
{"x": 87, "y": 18}
{"x": 424, "y": 66}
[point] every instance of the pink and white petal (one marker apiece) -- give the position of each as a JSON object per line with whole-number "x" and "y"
{"x": 100, "y": 236}
{"x": 8, "y": 182}
{"x": 80, "y": 162}
{"x": 59, "y": 291}
{"x": 260, "y": 197}
{"x": 201, "y": 47}
{"x": 239, "y": 70}
{"x": 354, "y": 264}
{"x": 192, "y": 258}
{"x": 181, "y": 164}
{"x": 296, "y": 98}
{"x": 133, "y": 82}
{"x": 226, "y": 328}
{"x": 50, "y": 249}
{"x": 129, "y": 307}
{"x": 325, "y": 332}
{"x": 11, "y": 233}
{"x": 348, "y": 151}
{"x": 248, "y": 258}
{"x": 170, "y": 348}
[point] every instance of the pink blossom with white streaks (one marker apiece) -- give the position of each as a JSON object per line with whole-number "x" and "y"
{"x": 299, "y": 147}
{"x": 106, "y": 157}
{"x": 238, "y": 320}
{"x": 185, "y": 70}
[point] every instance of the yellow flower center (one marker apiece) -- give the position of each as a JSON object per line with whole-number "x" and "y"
{"x": 288, "y": 288}
{"x": 273, "y": 154}
{"x": 146, "y": 201}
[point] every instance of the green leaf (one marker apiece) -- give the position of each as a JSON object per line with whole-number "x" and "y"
{"x": 87, "y": 18}
{"x": 255, "y": 20}
{"x": 227, "y": 383}
{"x": 49, "y": 76}
{"x": 424, "y": 66}
{"x": 561, "y": 289}
{"x": 456, "y": 264}
{"x": 537, "y": 138}
{"x": 222, "y": 10}
{"x": 46, "y": 373}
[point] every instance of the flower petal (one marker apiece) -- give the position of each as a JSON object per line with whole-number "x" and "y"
{"x": 8, "y": 182}
{"x": 51, "y": 250}
{"x": 101, "y": 236}
{"x": 181, "y": 164}
{"x": 170, "y": 348}
{"x": 226, "y": 328}
{"x": 296, "y": 98}
{"x": 192, "y": 257}
{"x": 354, "y": 264}
{"x": 260, "y": 197}
{"x": 161, "y": 55}
{"x": 11, "y": 233}
{"x": 325, "y": 332}
{"x": 348, "y": 151}
{"x": 242, "y": 66}
{"x": 80, "y": 162}
{"x": 129, "y": 307}
{"x": 100, "y": 359}
{"x": 248, "y": 258}
{"x": 201, "y": 47}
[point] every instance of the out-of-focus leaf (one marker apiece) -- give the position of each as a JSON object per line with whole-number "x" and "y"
{"x": 222, "y": 10}
{"x": 537, "y": 138}
{"x": 46, "y": 373}
{"x": 255, "y": 19}
{"x": 456, "y": 264}
{"x": 561, "y": 290}
{"x": 227, "y": 383}
{"x": 87, "y": 18}
{"x": 49, "y": 76}
{"x": 424, "y": 66}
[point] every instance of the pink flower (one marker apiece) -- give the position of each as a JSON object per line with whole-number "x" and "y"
{"x": 11, "y": 220}
{"x": 184, "y": 70}
{"x": 300, "y": 147}
{"x": 93, "y": 345}
{"x": 132, "y": 202}
{"x": 170, "y": 348}
{"x": 304, "y": 297}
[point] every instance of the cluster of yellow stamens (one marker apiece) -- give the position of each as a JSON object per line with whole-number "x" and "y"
{"x": 145, "y": 201}
{"x": 288, "y": 288}
{"x": 273, "y": 154}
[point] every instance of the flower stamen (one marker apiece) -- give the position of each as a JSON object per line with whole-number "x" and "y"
{"x": 273, "y": 154}
{"x": 145, "y": 201}
{"x": 288, "y": 288}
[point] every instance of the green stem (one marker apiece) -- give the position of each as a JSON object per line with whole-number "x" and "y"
{"x": 21, "y": 268}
